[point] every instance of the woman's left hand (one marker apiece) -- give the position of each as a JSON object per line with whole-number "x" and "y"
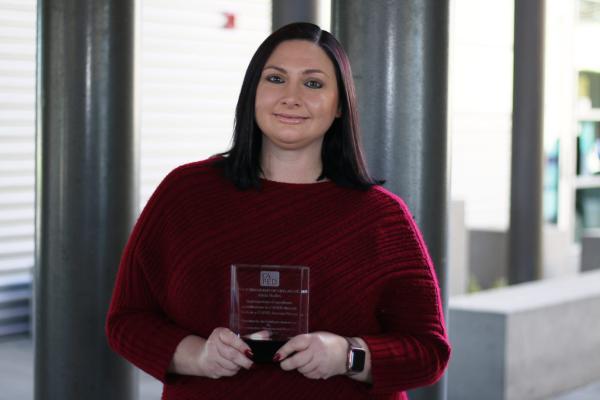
{"x": 319, "y": 355}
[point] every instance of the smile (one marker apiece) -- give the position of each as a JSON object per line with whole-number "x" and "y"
{"x": 290, "y": 119}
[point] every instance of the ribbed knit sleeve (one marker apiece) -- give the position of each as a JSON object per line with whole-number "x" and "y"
{"x": 413, "y": 349}
{"x": 137, "y": 326}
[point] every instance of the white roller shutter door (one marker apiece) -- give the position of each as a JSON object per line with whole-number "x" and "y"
{"x": 17, "y": 162}
{"x": 191, "y": 67}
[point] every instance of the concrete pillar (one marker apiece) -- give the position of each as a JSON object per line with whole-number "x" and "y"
{"x": 86, "y": 193}
{"x": 288, "y": 11}
{"x": 525, "y": 233}
{"x": 399, "y": 56}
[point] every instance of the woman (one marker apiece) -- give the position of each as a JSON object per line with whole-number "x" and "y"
{"x": 292, "y": 190}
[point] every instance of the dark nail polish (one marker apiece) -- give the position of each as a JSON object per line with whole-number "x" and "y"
{"x": 277, "y": 357}
{"x": 249, "y": 353}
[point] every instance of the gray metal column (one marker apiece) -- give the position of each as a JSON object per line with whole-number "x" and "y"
{"x": 525, "y": 233}
{"x": 288, "y": 11}
{"x": 399, "y": 56}
{"x": 86, "y": 193}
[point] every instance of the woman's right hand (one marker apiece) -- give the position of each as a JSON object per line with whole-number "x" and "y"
{"x": 223, "y": 353}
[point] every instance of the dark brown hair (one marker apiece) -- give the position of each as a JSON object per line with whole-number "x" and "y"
{"x": 341, "y": 154}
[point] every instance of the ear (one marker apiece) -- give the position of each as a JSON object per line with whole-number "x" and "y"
{"x": 338, "y": 112}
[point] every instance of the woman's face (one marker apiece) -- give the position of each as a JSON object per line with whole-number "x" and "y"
{"x": 297, "y": 96}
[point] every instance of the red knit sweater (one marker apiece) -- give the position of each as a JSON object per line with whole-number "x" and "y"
{"x": 370, "y": 276}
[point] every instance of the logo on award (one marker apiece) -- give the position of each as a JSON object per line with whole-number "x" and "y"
{"x": 269, "y": 278}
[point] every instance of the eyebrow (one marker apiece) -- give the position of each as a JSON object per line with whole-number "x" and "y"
{"x": 305, "y": 72}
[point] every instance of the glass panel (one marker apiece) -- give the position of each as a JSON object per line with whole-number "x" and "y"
{"x": 551, "y": 184}
{"x": 589, "y": 90}
{"x": 588, "y": 148}
{"x": 588, "y": 210}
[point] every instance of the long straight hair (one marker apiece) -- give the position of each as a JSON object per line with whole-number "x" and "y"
{"x": 341, "y": 153}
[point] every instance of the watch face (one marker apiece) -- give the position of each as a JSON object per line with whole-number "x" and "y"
{"x": 357, "y": 362}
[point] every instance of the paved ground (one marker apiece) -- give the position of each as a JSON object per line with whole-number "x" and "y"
{"x": 16, "y": 376}
{"x": 589, "y": 392}
{"x": 16, "y": 372}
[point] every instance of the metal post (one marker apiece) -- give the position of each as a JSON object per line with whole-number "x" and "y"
{"x": 399, "y": 56}
{"x": 86, "y": 193}
{"x": 527, "y": 142}
{"x": 288, "y": 11}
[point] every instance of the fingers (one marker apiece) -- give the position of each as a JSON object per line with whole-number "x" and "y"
{"x": 307, "y": 364}
{"x": 227, "y": 367}
{"x": 217, "y": 370}
{"x": 231, "y": 339}
{"x": 298, "y": 361}
{"x": 296, "y": 344}
{"x": 232, "y": 358}
{"x": 304, "y": 359}
{"x": 318, "y": 355}
{"x": 223, "y": 354}
{"x": 314, "y": 373}
{"x": 235, "y": 349}
{"x": 309, "y": 368}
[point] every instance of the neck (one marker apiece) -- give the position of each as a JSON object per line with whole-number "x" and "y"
{"x": 291, "y": 166}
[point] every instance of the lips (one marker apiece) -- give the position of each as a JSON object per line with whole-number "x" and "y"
{"x": 290, "y": 119}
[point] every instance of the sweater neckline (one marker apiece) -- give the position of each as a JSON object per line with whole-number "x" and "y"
{"x": 290, "y": 185}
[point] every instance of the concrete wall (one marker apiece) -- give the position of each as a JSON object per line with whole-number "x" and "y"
{"x": 488, "y": 251}
{"x": 558, "y": 250}
{"x": 590, "y": 250}
{"x": 527, "y": 341}
{"x": 488, "y": 255}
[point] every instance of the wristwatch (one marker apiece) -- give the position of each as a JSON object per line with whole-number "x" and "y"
{"x": 355, "y": 362}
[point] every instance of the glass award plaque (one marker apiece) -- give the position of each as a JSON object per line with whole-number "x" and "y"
{"x": 271, "y": 299}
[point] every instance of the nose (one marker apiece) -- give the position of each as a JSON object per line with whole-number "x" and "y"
{"x": 291, "y": 96}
